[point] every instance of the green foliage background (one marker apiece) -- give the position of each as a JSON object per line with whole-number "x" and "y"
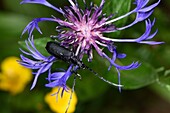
{"x": 144, "y": 88}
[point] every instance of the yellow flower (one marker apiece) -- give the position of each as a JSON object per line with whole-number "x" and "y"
{"x": 13, "y": 76}
{"x": 59, "y": 105}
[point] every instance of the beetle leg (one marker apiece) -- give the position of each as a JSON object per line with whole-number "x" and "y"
{"x": 75, "y": 72}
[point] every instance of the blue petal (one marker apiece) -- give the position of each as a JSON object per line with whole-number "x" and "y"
{"x": 36, "y": 77}
{"x": 59, "y": 78}
{"x": 151, "y": 42}
{"x": 121, "y": 55}
{"x": 34, "y": 25}
{"x": 149, "y": 8}
{"x": 143, "y": 15}
{"x": 43, "y": 2}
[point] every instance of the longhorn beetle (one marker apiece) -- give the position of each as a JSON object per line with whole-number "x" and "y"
{"x": 64, "y": 54}
{"x": 68, "y": 56}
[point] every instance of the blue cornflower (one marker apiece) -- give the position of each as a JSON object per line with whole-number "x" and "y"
{"x": 85, "y": 29}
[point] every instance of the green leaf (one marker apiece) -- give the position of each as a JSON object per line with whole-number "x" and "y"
{"x": 130, "y": 79}
{"x": 40, "y": 44}
{"x": 138, "y": 78}
{"x": 162, "y": 86}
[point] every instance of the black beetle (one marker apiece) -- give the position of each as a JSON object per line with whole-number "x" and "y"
{"x": 64, "y": 54}
{"x": 68, "y": 56}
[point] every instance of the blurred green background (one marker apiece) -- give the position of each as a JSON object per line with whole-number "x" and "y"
{"x": 147, "y": 89}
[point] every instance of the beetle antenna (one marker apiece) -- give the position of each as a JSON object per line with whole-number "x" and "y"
{"x": 100, "y": 77}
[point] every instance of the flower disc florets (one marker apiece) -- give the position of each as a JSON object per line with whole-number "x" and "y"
{"x": 84, "y": 30}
